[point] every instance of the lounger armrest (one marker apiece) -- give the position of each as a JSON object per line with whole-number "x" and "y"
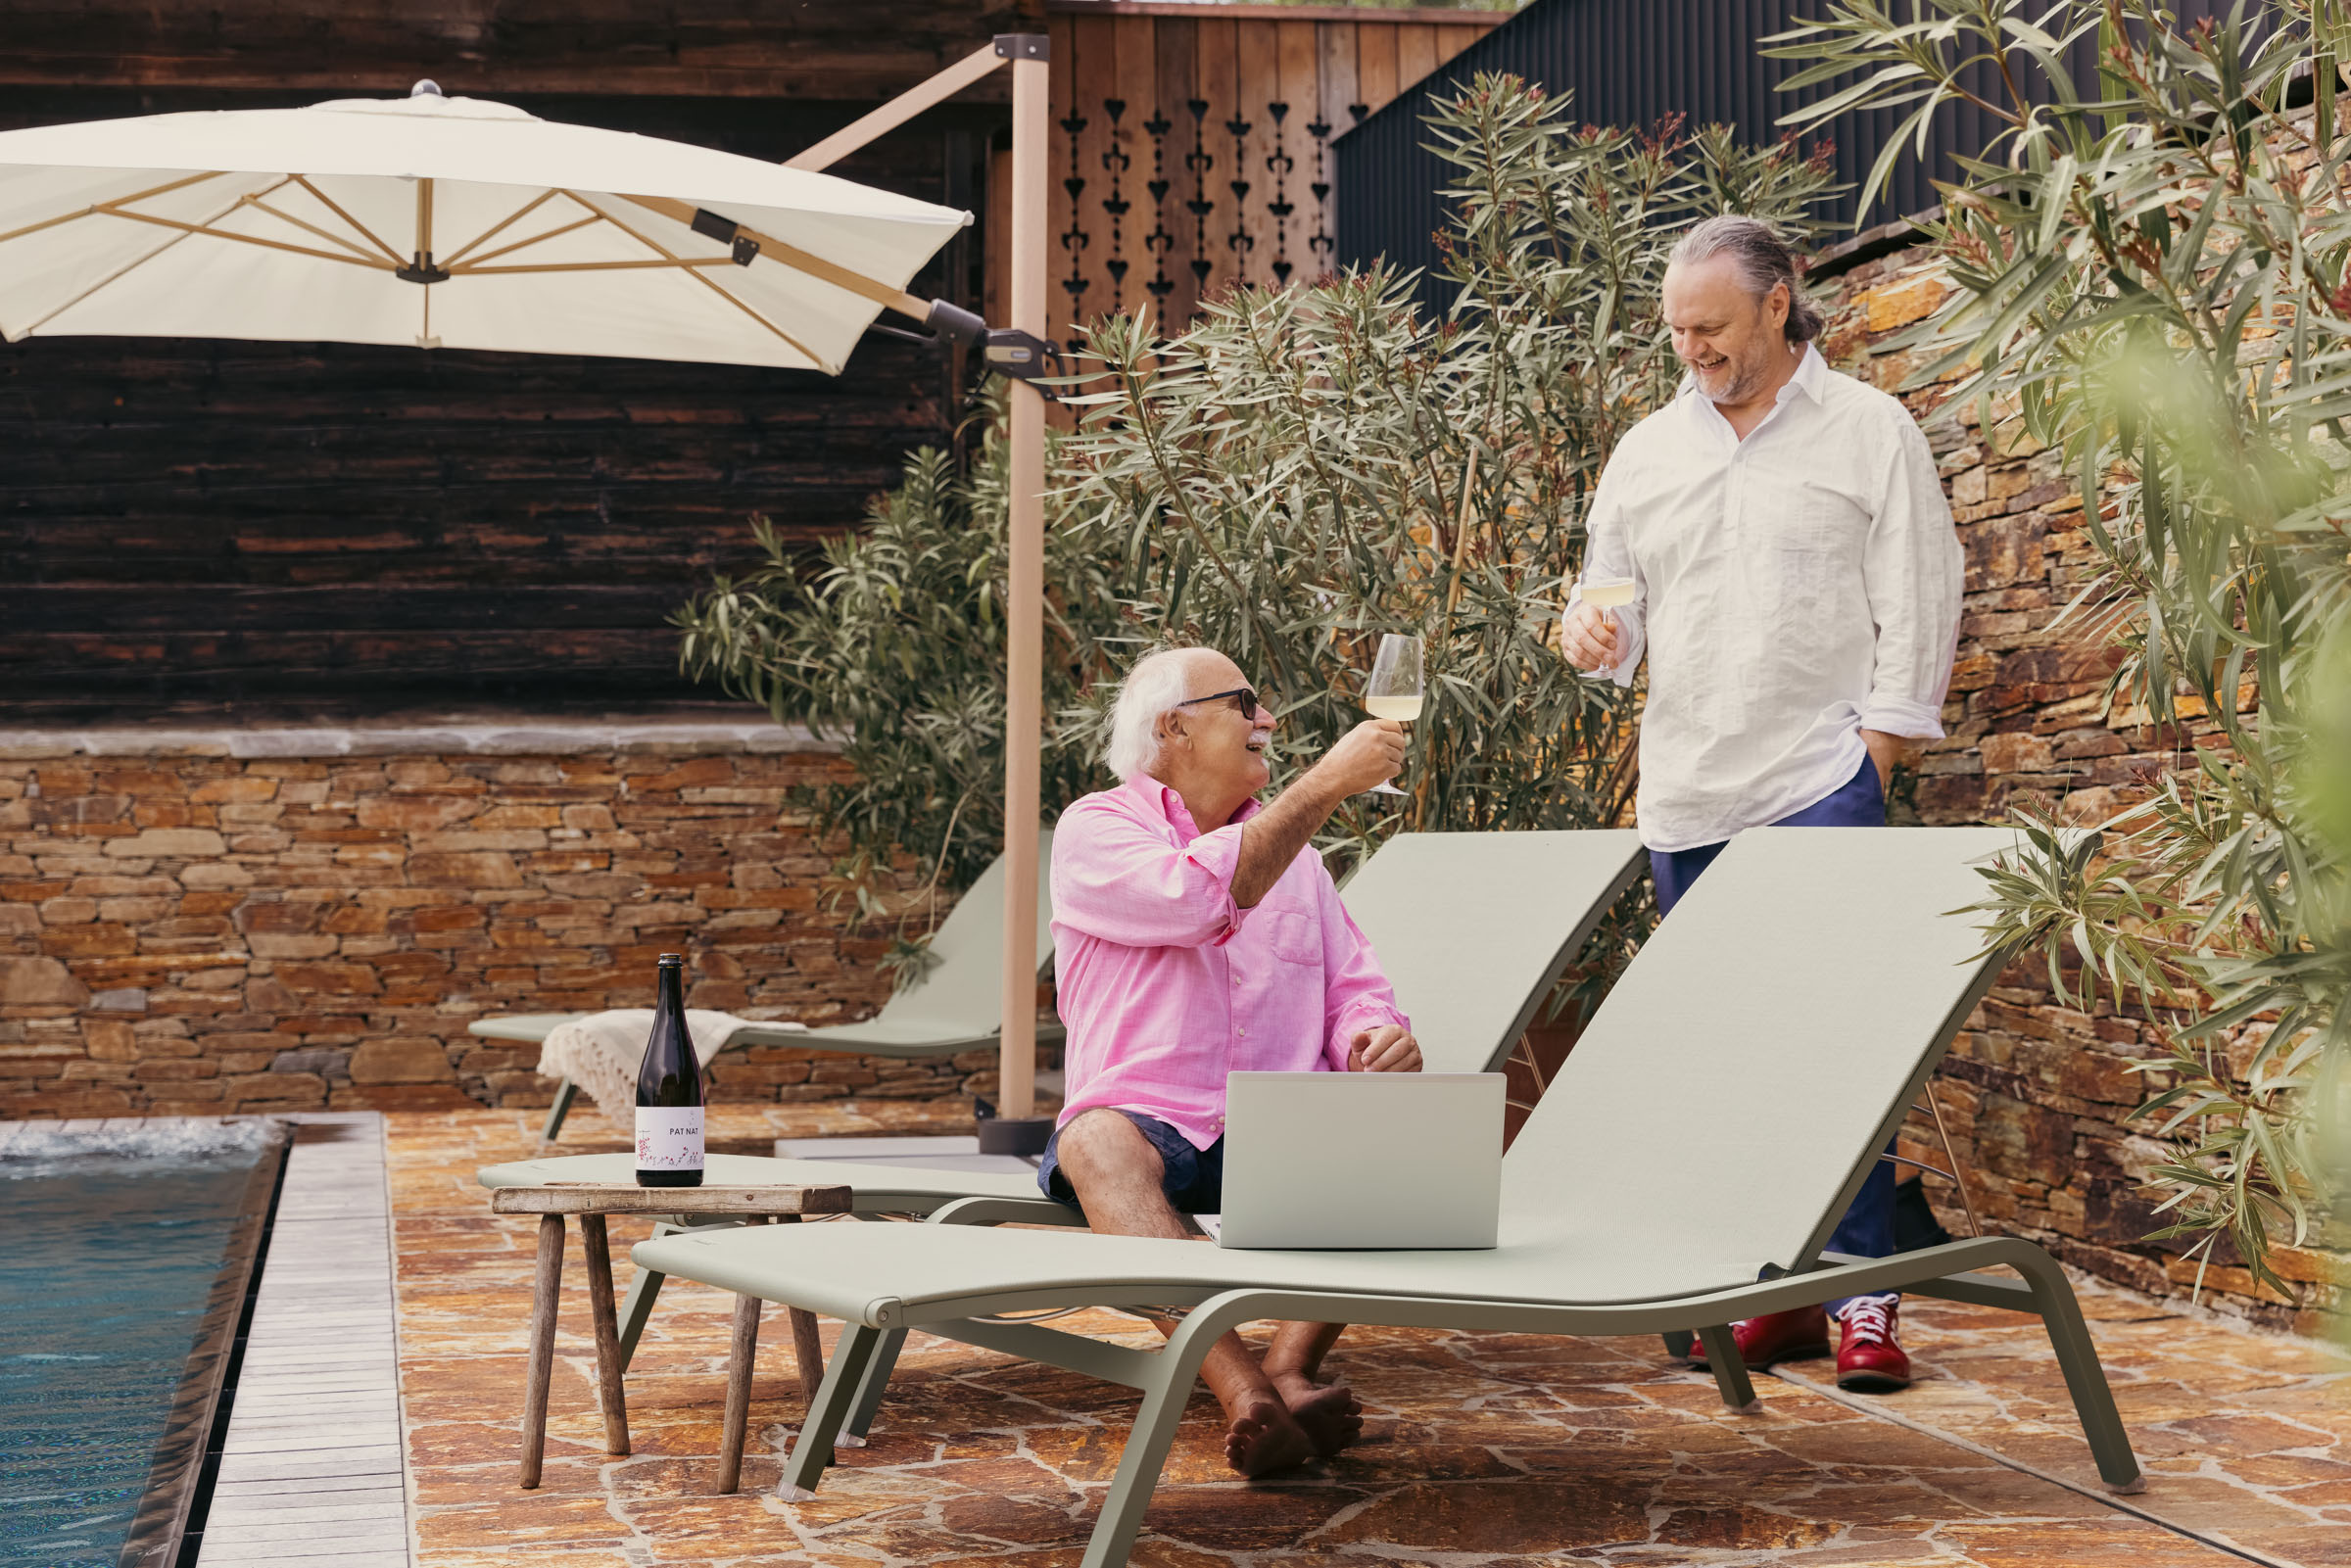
{"x": 1038, "y": 1211}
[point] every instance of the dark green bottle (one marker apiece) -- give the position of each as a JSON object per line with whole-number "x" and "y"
{"x": 669, "y": 1090}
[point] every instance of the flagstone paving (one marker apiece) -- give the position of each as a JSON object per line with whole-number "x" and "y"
{"x": 1481, "y": 1450}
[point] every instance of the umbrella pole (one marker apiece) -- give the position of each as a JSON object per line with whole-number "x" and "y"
{"x": 1024, "y": 729}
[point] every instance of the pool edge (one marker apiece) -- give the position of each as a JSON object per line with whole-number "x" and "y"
{"x": 176, "y": 1474}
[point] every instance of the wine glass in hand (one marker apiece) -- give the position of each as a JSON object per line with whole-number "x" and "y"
{"x": 1606, "y": 594}
{"x": 1395, "y": 691}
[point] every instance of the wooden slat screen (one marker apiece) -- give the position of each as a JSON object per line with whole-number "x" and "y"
{"x": 1194, "y": 150}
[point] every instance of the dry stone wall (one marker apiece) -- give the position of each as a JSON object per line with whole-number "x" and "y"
{"x": 249, "y": 921}
{"x": 2039, "y": 1095}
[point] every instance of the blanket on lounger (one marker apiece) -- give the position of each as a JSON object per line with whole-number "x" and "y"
{"x": 601, "y": 1052}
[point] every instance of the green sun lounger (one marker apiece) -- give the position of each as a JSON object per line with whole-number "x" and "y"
{"x": 1471, "y": 928}
{"x": 955, "y": 1005}
{"x": 1663, "y": 1185}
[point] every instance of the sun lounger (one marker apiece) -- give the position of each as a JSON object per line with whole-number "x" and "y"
{"x": 955, "y": 1005}
{"x": 1662, "y": 1184}
{"x": 1473, "y": 929}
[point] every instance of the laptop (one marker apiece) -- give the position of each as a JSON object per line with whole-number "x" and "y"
{"x": 1385, "y": 1159}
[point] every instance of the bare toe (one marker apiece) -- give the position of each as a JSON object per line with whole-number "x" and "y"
{"x": 1332, "y": 1418}
{"x": 1263, "y": 1438}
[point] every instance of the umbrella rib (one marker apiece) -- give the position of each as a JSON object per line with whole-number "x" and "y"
{"x": 101, "y": 206}
{"x": 515, "y": 217}
{"x": 353, "y": 260}
{"x": 519, "y": 245}
{"x": 799, "y": 261}
{"x": 289, "y": 217}
{"x": 654, "y": 246}
{"x": 336, "y": 207}
{"x": 675, "y": 262}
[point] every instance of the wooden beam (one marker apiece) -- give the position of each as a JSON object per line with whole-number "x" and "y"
{"x": 972, "y": 68}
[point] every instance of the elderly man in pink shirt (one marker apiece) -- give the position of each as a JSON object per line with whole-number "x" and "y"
{"x": 1196, "y": 933}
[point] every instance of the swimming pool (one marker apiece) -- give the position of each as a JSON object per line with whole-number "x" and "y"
{"x": 124, "y": 1264}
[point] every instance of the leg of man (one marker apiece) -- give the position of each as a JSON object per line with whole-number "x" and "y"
{"x": 1119, "y": 1178}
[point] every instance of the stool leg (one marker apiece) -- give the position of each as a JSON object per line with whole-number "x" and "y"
{"x": 545, "y": 1286}
{"x": 740, "y": 1357}
{"x": 598, "y": 1246}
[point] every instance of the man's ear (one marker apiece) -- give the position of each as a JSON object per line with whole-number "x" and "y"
{"x": 1777, "y": 303}
{"x": 1172, "y": 729}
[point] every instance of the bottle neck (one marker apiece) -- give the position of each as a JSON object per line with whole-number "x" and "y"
{"x": 670, "y": 993}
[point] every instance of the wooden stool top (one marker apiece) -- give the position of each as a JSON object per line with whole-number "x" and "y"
{"x": 627, "y": 1198}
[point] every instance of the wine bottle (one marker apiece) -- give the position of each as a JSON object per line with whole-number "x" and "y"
{"x": 669, "y": 1090}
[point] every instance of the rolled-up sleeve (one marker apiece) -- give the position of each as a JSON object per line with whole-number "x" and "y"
{"x": 1117, "y": 879}
{"x": 1356, "y": 995}
{"x": 1912, "y": 567}
{"x": 1608, "y": 553}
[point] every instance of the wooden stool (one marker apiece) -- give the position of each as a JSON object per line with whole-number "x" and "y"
{"x": 592, "y": 1202}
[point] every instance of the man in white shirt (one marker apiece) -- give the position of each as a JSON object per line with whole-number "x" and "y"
{"x": 1796, "y": 585}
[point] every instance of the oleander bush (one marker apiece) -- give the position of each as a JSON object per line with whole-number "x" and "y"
{"x": 2153, "y": 271}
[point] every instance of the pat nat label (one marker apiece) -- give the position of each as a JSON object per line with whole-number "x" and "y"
{"x": 669, "y": 1137}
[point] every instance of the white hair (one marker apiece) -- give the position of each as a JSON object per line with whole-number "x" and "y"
{"x": 1153, "y": 689}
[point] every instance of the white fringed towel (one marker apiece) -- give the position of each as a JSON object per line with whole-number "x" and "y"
{"x": 601, "y": 1052}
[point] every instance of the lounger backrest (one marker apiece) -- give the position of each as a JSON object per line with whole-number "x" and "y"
{"x": 1473, "y": 929}
{"x": 1736, "y": 1086}
{"x": 964, "y": 983}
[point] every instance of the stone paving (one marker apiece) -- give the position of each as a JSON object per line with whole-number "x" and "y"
{"x": 1482, "y": 1449}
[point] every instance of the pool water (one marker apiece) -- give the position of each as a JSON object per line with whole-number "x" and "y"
{"x": 107, "y": 1266}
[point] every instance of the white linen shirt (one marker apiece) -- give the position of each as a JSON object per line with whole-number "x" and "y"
{"x": 1792, "y": 590}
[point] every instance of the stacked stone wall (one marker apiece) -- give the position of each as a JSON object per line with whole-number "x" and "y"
{"x": 186, "y": 930}
{"x": 2039, "y": 1095}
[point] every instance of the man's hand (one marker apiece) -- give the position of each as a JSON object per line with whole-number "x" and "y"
{"x": 1370, "y": 753}
{"x": 1588, "y": 637}
{"x": 1386, "y": 1049}
{"x": 1886, "y": 751}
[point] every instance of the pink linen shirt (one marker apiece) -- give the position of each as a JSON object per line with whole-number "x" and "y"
{"x": 1166, "y": 984}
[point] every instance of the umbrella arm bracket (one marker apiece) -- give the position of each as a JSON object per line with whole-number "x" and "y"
{"x": 1018, "y": 356}
{"x": 421, "y": 270}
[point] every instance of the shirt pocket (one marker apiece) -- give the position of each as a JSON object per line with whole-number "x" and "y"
{"x": 1293, "y": 937}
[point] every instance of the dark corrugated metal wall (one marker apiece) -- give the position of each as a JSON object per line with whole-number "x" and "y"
{"x": 1634, "y": 63}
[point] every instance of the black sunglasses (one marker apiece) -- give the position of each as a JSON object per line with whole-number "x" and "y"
{"x": 1246, "y": 700}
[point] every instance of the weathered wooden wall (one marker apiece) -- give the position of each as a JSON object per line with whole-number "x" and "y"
{"x": 1195, "y": 150}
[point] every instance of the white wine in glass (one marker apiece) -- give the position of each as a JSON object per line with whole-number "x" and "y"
{"x": 1608, "y": 593}
{"x": 1604, "y": 593}
{"x": 1395, "y": 691}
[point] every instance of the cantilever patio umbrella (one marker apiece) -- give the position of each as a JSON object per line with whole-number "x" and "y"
{"x": 454, "y": 223}
{"x": 457, "y": 223}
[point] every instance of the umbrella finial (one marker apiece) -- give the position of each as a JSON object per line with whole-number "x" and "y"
{"x": 427, "y": 88}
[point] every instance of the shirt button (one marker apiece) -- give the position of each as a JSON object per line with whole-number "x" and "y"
{"x": 1243, "y": 1033}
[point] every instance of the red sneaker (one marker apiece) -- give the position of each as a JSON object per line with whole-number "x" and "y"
{"x": 1868, "y": 1361}
{"x": 1790, "y": 1336}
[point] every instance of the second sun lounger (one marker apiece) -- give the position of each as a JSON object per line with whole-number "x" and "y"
{"x": 1662, "y": 1184}
{"x": 955, "y": 1005}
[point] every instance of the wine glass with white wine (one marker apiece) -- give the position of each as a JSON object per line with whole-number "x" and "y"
{"x": 1395, "y": 691}
{"x": 1606, "y": 594}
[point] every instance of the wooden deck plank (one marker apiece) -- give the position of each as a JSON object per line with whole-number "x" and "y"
{"x": 314, "y": 1466}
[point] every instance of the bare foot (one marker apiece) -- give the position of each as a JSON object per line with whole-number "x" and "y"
{"x": 1331, "y": 1417}
{"x": 1263, "y": 1438}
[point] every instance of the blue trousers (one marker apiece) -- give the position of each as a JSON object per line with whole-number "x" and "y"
{"x": 1867, "y": 1229}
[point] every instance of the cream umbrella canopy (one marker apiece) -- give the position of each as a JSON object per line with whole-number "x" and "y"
{"x": 455, "y": 222}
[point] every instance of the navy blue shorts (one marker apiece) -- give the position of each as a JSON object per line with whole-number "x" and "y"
{"x": 1192, "y": 1178}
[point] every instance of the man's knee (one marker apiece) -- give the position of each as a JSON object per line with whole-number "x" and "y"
{"x": 1104, "y": 1147}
